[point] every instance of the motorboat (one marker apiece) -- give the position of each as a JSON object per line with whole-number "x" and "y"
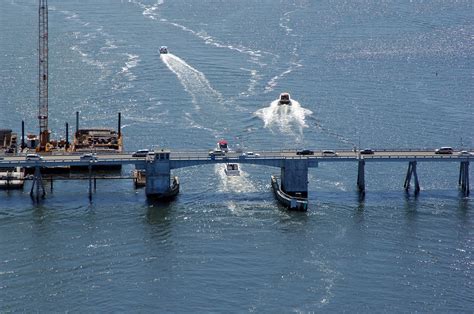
{"x": 163, "y": 50}
{"x": 284, "y": 99}
{"x": 232, "y": 169}
{"x": 223, "y": 146}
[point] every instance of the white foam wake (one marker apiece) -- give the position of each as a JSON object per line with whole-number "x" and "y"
{"x": 239, "y": 184}
{"x": 132, "y": 61}
{"x": 288, "y": 119}
{"x": 193, "y": 81}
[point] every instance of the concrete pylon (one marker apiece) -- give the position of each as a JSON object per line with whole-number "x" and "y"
{"x": 294, "y": 177}
{"x": 158, "y": 175}
{"x": 464, "y": 177}
{"x": 361, "y": 177}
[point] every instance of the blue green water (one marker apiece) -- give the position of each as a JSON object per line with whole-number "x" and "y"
{"x": 374, "y": 74}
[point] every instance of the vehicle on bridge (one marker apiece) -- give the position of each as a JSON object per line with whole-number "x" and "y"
{"x": 216, "y": 152}
{"x": 141, "y": 153}
{"x": 329, "y": 153}
{"x": 367, "y": 151}
{"x": 249, "y": 155}
{"x": 33, "y": 157}
{"x": 305, "y": 152}
{"x": 465, "y": 153}
{"x": 444, "y": 150}
{"x": 89, "y": 156}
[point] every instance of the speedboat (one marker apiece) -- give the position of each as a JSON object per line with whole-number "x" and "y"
{"x": 163, "y": 50}
{"x": 284, "y": 99}
{"x": 232, "y": 169}
{"x": 223, "y": 146}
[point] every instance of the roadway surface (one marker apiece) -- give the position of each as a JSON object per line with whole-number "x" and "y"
{"x": 74, "y": 159}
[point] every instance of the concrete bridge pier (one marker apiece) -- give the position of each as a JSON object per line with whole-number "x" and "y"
{"x": 361, "y": 177}
{"x": 158, "y": 175}
{"x": 294, "y": 177}
{"x": 464, "y": 177}
{"x": 412, "y": 172}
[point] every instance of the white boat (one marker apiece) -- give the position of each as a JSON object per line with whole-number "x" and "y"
{"x": 284, "y": 99}
{"x": 223, "y": 146}
{"x": 232, "y": 169}
{"x": 163, "y": 50}
{"x": 12, "y": 178}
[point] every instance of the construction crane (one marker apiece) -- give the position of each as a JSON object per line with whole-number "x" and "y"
{"x": 44, "y": 132}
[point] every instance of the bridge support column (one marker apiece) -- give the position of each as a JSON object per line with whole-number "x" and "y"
{"x": 294, "y": 177}
{"x": 158, "y": 175}
{"x": 464, "y": 177}
{"x": 90, "y": 182}
{"x": 412, "y": 172}
{"x": 361, "y": 177}
{"x": 38, "y": 182}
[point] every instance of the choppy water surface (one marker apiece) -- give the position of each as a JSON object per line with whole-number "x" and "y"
{"x": 380, "y": 75}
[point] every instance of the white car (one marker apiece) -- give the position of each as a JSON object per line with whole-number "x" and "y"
{"x": 250, "y": 155}
{"x": 329, "y": 153}
{"x": 464, "y": 153}
{"x": 141, "y": 153}
{"x": 33, "y": 157}
{"x": 89, "y": 156}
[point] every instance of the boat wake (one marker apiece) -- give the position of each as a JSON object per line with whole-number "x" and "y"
{"x": 193, "y": 81}
{"x": 287, "y": 119}
{"x": 239, "y": 184}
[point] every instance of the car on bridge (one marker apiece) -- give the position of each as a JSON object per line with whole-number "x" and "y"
{"x": 329, "y": 153}
{"x": 33, "y": 157}
{"x": 446, "y": 150}
{"x": 465, "y": 153}
{"x": 367, "y": 151}
{"x": 216, "y": 152}
{"x": 89, "y": 156}
{"x": 140, "y": 153}
{"x": 250, "y": 155}
{"x": 305, "y": 152}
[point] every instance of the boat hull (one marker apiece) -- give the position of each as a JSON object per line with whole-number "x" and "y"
{"x": 290, "y": 202}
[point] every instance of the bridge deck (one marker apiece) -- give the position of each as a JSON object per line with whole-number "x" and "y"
{"x": 180, "y": 159}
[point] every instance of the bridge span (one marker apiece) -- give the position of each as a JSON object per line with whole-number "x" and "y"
{"x": 293, "y": 166}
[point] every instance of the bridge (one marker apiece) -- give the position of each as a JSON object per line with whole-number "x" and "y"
{"x": 293, "y": 166}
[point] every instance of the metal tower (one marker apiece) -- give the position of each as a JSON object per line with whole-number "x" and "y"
{"x": 43, "y": 74}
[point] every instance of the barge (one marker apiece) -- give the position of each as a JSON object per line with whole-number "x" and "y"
{"x": 296, "y": 202}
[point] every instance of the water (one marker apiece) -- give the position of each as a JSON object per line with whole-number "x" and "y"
{"x": 382, "y": 75}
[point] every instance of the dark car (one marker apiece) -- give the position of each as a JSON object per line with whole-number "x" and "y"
{"x": 305, "y": 152}
{"x": 367, "y": 151}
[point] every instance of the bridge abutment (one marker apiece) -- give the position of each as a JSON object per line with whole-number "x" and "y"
{"x": 294, "y": 177}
